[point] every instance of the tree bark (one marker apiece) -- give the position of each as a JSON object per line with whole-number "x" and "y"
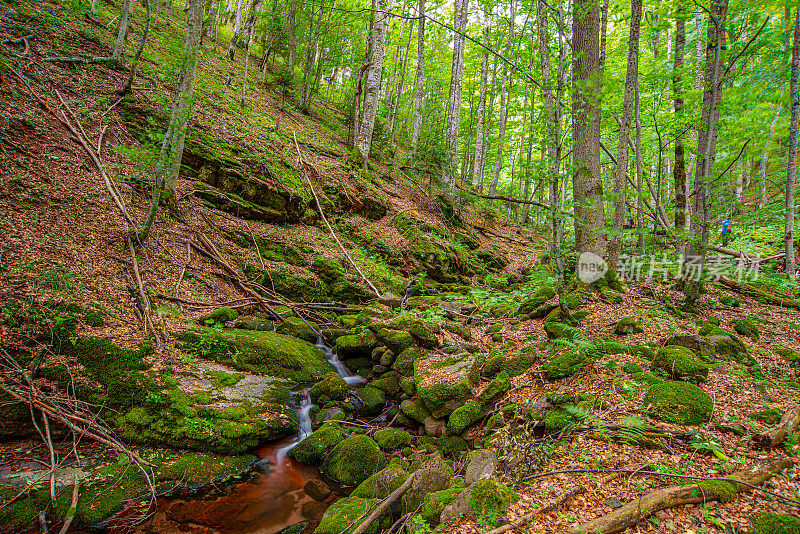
{"x": 454, "y": 101}
{"x": 403, "y": 68}
{"x": 291, "y": 14}
{"x": 498, "y": 162}
{"x": 587, "y": 185}
{"x": 792, "y": 166}
{"x": 419, "y": 87}
{"x": 138, "y": 55}
{"x": 762, "y": 162}
{"x": 477, "y": 172}
{"x": 373, "y": 79}
{"x": 639, "y": 194}
{"x": 679, "y": 169}
{"x": 790, "y": 422}
{"x": 250, "y": 32}
{"x": 631, "y": 82}
{"x": 237, "y": 28}
{"x": 124, "y": 24}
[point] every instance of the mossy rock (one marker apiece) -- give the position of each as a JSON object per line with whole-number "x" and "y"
{"x": 730, "y": 301}
{"x": 415, "y": 409}
{"x": 264, "y": 353}
{"x": 790, "y": 355}
{"x": 612, "y": 296}
{"x": 219, "y": 317}
{"x": 433, "y": 475}
{"x": 746, "y": 327}
{"x": 612, "y": 347}
{"x": 628, "y": 325}
{"x": 496, "y": 388}
{"x": 299, "y": 328}
{"x": 556, "y": 420}
{"x": 446, "y": 392}
{"x": 294, "y": 283}
{"x": 353, "y": 460}
{"x": 680, "y": 363}
{"x": 646, "y": 379}
{"x": 642, "y": 351}
{"x": 539, "y": 297}
{"x": 464, "y": 416}
{"x": 356, "y": 345}
{"x": 435, "y": 503}
{"x": 421, "y": 332}
{"x": 452, "y": 446}
{"x": 332, "y": 387}
{"x": 679, "y": 402}
{"x": 396, "y": 340}
{"x": 389, "y": 383}
{"x": 253, "y": 322}
{"x": 345, "y": 513}
{"x": 631, "y": 368}
{"x": 373, "y": 399}
{"x": 727, "y": 345}
{"x": 328, "y": 270}
{"x": 381, "y": 484}
{"x": 491, "y": 499}
{"x": 769, "y": 416}
{"x": 557, "y": 330}
{"x": 513, "y": 364}
{"x": 391, "y": 439}
{"x": 499, "y": 310}
{"x": 566, "y": 363}
{"x": 769, "y": 523}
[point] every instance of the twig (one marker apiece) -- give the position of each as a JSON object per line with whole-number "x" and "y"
{"x": 73, "y": 505}
{"x": 381, "y": 508}
{"x": 112, "y": 106}
{"x": 576, "y": 490}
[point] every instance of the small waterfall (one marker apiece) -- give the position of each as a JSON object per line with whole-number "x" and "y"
{"x": 341, "y": 369}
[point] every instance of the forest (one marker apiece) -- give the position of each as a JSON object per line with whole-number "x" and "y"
{"x": 351, "y": 267}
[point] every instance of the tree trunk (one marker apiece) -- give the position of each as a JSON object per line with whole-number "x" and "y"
{"x": 679, "y": 169}
{"x": 707, "y": 141}
{"x": 169, "y": 161}
{"x": 587, "y": 185}
{"x": 403, "y": 68}
{"x": 498, "y": 162}
{"x": 762, "y": 163}
{"x": 373, "y": 78}
{"x": 124, "y": 24}
{"x": 454, "y": 101}
{"x": 419, "y": 87}
{"x": 252, "y": 30}
{"x": 138, "y": 55}
{"x": 603, "y": 28}
{"x": 792, "y": 166}
{"x": 291, "y": 14}
{"x": 237, "y": 28}
{"x": 477, "y": 171}
{"x": 631, "y": 82}
{"x": 468, "y": 144}
{"x": 639, "y": 193}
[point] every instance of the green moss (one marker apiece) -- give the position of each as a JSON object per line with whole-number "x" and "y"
{"x": 747, "y": 328}
{"x": 408, "y": 386}
{"x": 769, "y": 416}
{"x": 374, "y": 400}
{"x": 539, "y": 297}
{"x": 565, "y": 364}
{"x": 312, "y": 449}
{"x": 219, "y": 317}
{"x": 789, "y": 355}
{"x": 254, "y": 322}
{"x": 221, "y": 379}
{"x": 332, "y": 387}
{"x": 495, "y": 389}
{"x": 442, "y": 398}
{"x": 299, "y": 328}
{"x": 645, "y": 378}
{"x": 452, "y": 446}
{"x": 556, "y": 330}
{"x": 93, "y": 317}
{"x": 381, "y": 484}
{"x": 435, "y": 503}
{"x": 264, "y": 353}
{"x": 680, "y": 363}
{"x": 679, "y": 402}
{"x": 396, "y": 340}
{"x": 613, "y": 347}
{"x": 769, "y": 523}
{"x": 356, "y": 345}
{"x": 463, "y": 417}
{"x": 721, "y": 490}
{"x": 729, "y": 300}
{"x": 556, "y": 420}
{"x": 353, "y": 460}
{"x": 345, "y": 513}
{"x": 631, "y": 367}
{"x": 627, "y": 325}
{"x": 415, "y": 409}
{"x": 390, "y": 439}
{"x": 642, "y": 351}
{"x": 389, "y": 383}
{"x": 491, "y": 499}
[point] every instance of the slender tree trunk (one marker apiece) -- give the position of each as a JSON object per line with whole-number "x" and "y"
{"x": 762, "y": 163}
{"x": 291, "y": 14}
{"x": 138, "y": 55}
{"x": 679, "y": 170}
{"x": 603, "y": 28}
{"x": 639, "y": 165}
{"x": 520, "y": 191}
{"x": 498, "y": 162}
{"x": 631, "y": 82}
{"x": 419, "y": 86}
{"x": 477, "y": 171}
{"x": 373, "y": 78}
{"x": 250, "y": 32}
{"x": 237, "y": 28}
{"x": 468, "y": 144}
{"x": 93, "y": 8}
{"x": 792, "y": 166}
{"x": 587, "y": 185}
{"x": 169, "y": 161}
{"x": 454, "y": 101}
{"x": 403, "y": 69}
{"x": 124, "y": 24}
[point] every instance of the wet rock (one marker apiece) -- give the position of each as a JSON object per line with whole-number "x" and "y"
{"x": 317, "y": 490}
{"x": 353, "y": 460}
{"x": 396, "y": 340}
{"x": 356, "y": 345}
{"x": 312, "y": 449}
{"x": 331, "y": 388}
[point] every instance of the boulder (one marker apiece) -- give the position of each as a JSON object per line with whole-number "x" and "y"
{"x": 373, "y": 400}
{"x": 356, "y": 345}
{"x": 331, "y": 388}
{"x": 496, "y": 389}
{"x": 556, "y": 330}
{"x": 566, "y": 363}
{"x": 381, "y": 484}
{"x": 444, "y": 384}
{"x": 254, "y": 322}
{"x": 482, "y": 466}
{"x": 390, "y": 300}
{"x": 679, "y": 402}
{"x": 434, "y": 475}
{"x": 415, "y": 409}
{"x": 299, "y": 328}
{"x": 628, "y": 325}
{"x": 353, "y": 460}
{"x": 219, "y": 317}
{"x": 486, "y": 498}
{"x": 464, "y": 416}
{"x": 538, "y": 298}
{"x": 699, "y": 345}
{"x": 392, "y": 439}
{"x": 680, "y": 363}
{"x": 312, "y": 449}
{"x": 434, "y": 427}
{"x": 317, "y": 490}
{"x": 435, "y": 503}
{"x": 746, "y": 327}
{"x": 396, "y": 340}
{"x": 345, "y": 513}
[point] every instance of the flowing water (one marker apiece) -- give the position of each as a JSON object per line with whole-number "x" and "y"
{"x": 272, "y": 498}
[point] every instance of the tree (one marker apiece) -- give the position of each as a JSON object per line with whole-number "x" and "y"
{"x": 762, "y": 162}
{"x": 251, "y": 25}
{"x": 480, "y": 130}
{"x": 380, "y": 29}
{"x": 792, "y": 166}
{"x": 169, "y": 161}
{"x": 419, "y": 86}
{"x": 498, "y": 163}
{"x": 237, "y": 29}
{"x": 587, "y": 184}
{"x": 454, "y": 102}
{"x": 679, "y": 168}
{"x": 631, "y": 83}
{"x": 124, "y": 24}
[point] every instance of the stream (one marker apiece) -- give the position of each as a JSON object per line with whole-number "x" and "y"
{"x": 270, "y": 498}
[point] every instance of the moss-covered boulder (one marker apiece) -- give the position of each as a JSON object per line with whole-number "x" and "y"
{"x": 332, "y": 387}
{"x": 356, "y": 345}
{"x": 556, "y": 330}
{"x": 404, "y": 362}
{"x": 647, "y": 379}
{"x": 642, "y": 351}
{"x": 491, "y": 499}
{"x": 254, "y": 322}
{"x": 381, "y": 484}
{"x": 769, "y": 523}
{"x": 296, "y": 283}
{"x": 396, "y": 340}
{"x": 312, "y": 449}
{"x": 539, "y": 297}
{"x": 679, "y": 363}
{"x": 679, "y": 402}
{"x": 415, "y": 409}
{"x": 373, "y": 400}
{"x": 435, "y": 503}
{"x": 432, "y": 476}
{"x": 729, "y": 300}
{"x": 513, "y": 364}
{"x": 422, "y": 333}
{"x": 464, "y": 416}
{"x": 353, "y": 460}
{"x": 769, "y": 416}
{"x": 389, "y": 383}
{"x": 392, "y": 439}
{"x": 444, "y": 384}
{"x": 219, "y": 317}
{"x": 345, "y": 513}
{"x": 566, "y": 363}
{"x": 727, "y": 345}
{"x": 746, "y": 327}
{"x": 496, "y": 388}
{"x": 628, "y": 325}
{"x": 299, "y": 328}
{"x": 264, "y": 353}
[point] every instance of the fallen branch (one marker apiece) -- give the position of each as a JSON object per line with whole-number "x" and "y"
{"x": 775, "y": 436}
{"x": 635, "y": 511}
{"x": 563, "y": 499}
{"x": 73, "y": 506}
{"x": 752, "y": 291}
{"x": 384, "y": 505}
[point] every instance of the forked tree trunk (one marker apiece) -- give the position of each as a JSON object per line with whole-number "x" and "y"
{"x": 454, "y": 101}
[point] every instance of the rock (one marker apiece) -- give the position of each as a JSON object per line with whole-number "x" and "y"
{"x": 612, "y": 347}
{"x": 434, "y": 427}
{"x": 482, "y": 466}
{"x": 680, "y": 363}
{"x": 464, "y": 416}
{"x": 387, "y": 358}
{"x": 331, "y": 388}
{"x": 697, "y": 344}
{"x": 727, "y": 344}
{"x": 513, "y": 364}
{"x": 345, "y": 513}
{"x": 645, "y": 378}
{"x": 642, "y": 351}
{"x": 312, "y": 449}
{"x": 381, "y": 484}
{"x": 317, "y": 490}
{"x": 264, "y": 353}
{"x": 415, "y": 409}
{"x": 389, "y": 383}
{"x": 747, "y": 328}
{"x": 539, "y": 297}
{"x": 556, "y": 330}
{"x": 299, "y": 328}
{"x": 356, "y": 345}
{"x": 729, "y": 300}
{"x": 373, "y": 400}
{"x": 390, "y": 300}
{"x": 495, "y": 389}
{"x": 353, "y": 460}
{"x": 486, "y": 498}
{"x": 444, "y": 384}
{"x": 458, "y": 508}
{"x": 452, "y": 446}
{"x": 435, "y": 503}
{"x": 434, "y": 475}
{"x": 679, "y": 402}
{"x": 628, "y": 325}
{"x": 404, "y": 362}
{"x": 614, "y": 503}
{"x": 421, "y": 332}
{"x": 769, "y": 523}
{"x": 253, "y": 322}
{"x": 790, "y": 355}
{"x": 769, "y": 416}
{"x": 566, "y": 363}
{"x": 632, "y": 368}
{"x": 500, "y": 310}
{"x": 392, "y": 439}
{"x": 219, "y": 317}
{"x": 396, "y": 340}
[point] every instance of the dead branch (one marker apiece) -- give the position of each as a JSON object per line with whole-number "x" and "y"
{"x": 752, "y": 291}
{"x": 73, "y": 506}
{"x": 635, "y": 511}
{"x": 325, "y": 220}
{"x": 384, "y": 505}
{"x": 563, "y": 499}
{"x": 775, "y": 436}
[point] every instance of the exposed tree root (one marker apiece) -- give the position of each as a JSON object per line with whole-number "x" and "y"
{"x": 660, "y": 499}
{"x": 775, "y": 436}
